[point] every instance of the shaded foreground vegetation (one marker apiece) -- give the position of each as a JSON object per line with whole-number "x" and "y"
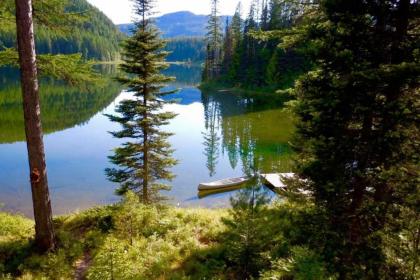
{"x": 254, "y": 239}
{"x": 133, "y": 241}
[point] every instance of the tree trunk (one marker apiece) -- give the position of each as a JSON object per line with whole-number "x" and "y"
{"x": 146, "y": 148}
{"x": 44, "y": 231}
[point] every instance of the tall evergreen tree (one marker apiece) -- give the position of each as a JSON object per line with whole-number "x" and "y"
{"x": 228, "y": 49}
{"x": 236, "y": 30}
{"x": 214, "y": 43}
{"x": 264, "y": 15}
{"x": 358, "y": 128}
{"x": 145, "y": 160}
{"x": 236, "y": 26}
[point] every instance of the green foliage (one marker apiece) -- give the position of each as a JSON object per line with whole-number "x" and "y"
{"x": 70, "y": 68}
{"x": 75, "y": 235}
{"x": 303, "y": 264}
{"x": 358, "y": 130}
{"x": 131, "y": 240}
{"x": 251, "y": 54}
{"x": 156, "y": 247}
{"x": 247, "y": 236}
{"x": 145, "y": 161}
{"x": 214, "y": 39}
{"x": 14, "y": 227}
{"x": 65, "y": 27}
{"x": 402, "y": 244}
{"x": 187, "y": 49}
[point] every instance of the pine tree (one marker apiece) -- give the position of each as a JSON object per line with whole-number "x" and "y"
{"x": 214, "y": 44}
{"x": 264, "y": 15}
{"x": 236, "y": 30}
{"x": 237, "y": 25}
{"x": 145, "y": 160}
{"x": 358, "y": 130}
{"x": 228, "y": 49}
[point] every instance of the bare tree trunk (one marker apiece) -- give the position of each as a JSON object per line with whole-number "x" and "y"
{"x": 146, "y": 150}
{"x": 44, "y": 231}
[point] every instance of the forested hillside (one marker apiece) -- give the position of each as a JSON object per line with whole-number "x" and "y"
{"x": 93, "y": 35}
{"x": 192, "y": 49}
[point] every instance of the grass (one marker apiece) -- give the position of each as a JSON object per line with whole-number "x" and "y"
{"x": 124, "y": 241}
{"x": 130, "y": 240}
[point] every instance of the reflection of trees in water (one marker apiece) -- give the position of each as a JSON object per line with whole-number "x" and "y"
{"x": 62, "y": 106}
{"x": 251, "y": 131}
{"x": 186, "y": 75}
{"x": 211, "y": 137}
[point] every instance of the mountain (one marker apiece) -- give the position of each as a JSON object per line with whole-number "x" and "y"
{"x": 179, "y": 24}
{"x": 96, "y": 37}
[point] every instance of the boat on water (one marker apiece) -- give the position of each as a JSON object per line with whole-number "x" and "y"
{"x": 225, "y": 183}
{"x": 205, "y": 193}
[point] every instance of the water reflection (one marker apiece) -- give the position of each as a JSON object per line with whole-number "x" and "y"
{"x": 247, "y": 130}
{"x": 217, "y": 135}
{"x": 187, "y": 75}
{"x": 62, "y": 106}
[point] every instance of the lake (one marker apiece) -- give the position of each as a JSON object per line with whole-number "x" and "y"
{"x": 218, "y": 134}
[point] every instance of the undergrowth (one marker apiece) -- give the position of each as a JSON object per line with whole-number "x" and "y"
{"x": 131, "y": 240}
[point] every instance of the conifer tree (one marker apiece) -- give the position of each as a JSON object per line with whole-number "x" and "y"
{"x": 214, "y": 43}
{"x": 236, "y": 26}
{"x": 228, "y": 50}
{"x": 264, "y": 15}
{"x": 358, "y": 128}
{"x": 144, "y": 160}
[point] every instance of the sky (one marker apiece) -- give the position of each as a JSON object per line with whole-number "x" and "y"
{"x": 119, "y": 11}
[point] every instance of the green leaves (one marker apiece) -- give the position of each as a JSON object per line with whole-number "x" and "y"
{"x": 357, "y": 124}
{"x": 303, "y": 264}
{"x": 70, "y": 68}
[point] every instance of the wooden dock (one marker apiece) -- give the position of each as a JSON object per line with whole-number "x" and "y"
{"x": 276, "y": 180}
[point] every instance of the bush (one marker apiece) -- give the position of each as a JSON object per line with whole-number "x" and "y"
{"x": 303, "y": 264}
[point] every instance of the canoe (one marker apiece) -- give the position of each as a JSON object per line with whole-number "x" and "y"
{"x": 206, "y": 193}
{"x": 225, "y": 183}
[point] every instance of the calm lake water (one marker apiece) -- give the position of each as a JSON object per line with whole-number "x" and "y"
{"x": 217, "y": 135}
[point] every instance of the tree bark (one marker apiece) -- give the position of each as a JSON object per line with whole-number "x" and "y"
{"x": 146, "y": 148}
{"x": 44, "y": 231}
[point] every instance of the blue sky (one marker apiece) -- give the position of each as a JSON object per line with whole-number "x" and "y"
{"x": 119, "y": 11}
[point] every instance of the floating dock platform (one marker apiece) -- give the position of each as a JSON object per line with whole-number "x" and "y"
{"x": 276, "y": 180}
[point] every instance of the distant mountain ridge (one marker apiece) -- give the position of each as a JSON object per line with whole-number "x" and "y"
{"x": 178, "y": 24}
